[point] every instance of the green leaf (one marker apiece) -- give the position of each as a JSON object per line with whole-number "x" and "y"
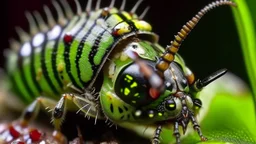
{"x": 227, "y": 115}
{"x": 230, "y": 119}
{"x": 244, "y": 17}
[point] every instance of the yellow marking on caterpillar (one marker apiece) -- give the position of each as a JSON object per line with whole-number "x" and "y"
{"x": 109, "y": 96}
{"x": 129, "y": 77}
{"x": 136, "y": 95}
{"x": 127, "y": 15}
{"x": 39, "y": 74}
{"x": 171, "y": 105}
{"x": 150, "y": 115}
{"x": 126, "y": 91}
{"x": 134, "y": 84}
{"x": 60, "y": 67}
{"x": 142, "y": 25}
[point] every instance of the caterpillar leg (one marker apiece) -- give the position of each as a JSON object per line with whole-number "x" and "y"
{"x": 176, "y": 132}
{"x": 89, "y": 107}
{"x": 31, "y": 112}
{"x": 33, "y": 109}
{"x": 197, "y": 128}
{"x": 157, "y": 135}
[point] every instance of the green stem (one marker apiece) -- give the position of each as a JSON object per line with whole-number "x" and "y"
{"x": 246, "y": 32}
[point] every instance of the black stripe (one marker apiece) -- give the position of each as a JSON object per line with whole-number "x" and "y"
{"x": 80, "y": 50}
{"x": 67, "y": 54}
{"x": 54, "y": 57}
{"x": 44, "y": 68}
{"x": 131, "y": 23}
{"x": 22, "y": 74}
{"x": 33, "y": 70}
{"x": 95, "y": 50}
{"x": 67, "y": 60}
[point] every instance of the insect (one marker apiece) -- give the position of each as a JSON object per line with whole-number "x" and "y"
{"x": 107, "y": 63}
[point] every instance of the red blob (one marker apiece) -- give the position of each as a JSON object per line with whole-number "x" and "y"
{"x": 115, "y": 33}
{"x": 35, "y": 135}
{"x": 20, "y": 142}
{"x": 68, "y": 38}
{"x": 154, "y": 93}
{"x": 14, "y": 132}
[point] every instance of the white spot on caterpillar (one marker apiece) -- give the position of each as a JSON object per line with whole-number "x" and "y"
{"x": 54, "y": 33}
{"x": 38, "y": 40}
{"x": 112, "y": 69}
{"x": 25, "y": 49}
{"x": 136, "y": 48}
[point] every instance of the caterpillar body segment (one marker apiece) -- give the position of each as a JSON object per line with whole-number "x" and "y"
{"x": 72, "y": 53}
{"x": 108, "y": 64}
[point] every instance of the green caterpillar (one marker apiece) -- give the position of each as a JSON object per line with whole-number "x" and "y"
{"x": 107, "y": 64}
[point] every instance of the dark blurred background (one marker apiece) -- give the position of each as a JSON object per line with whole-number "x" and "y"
{"x": 212, "y": 45}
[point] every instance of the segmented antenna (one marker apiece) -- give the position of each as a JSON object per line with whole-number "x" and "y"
{"x": 168, "y": 56}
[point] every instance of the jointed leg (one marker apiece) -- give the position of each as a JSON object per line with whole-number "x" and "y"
{"x": 176, "y": 132}
{"x": 157, "y": 135}
{"x": 33, "y": 109}
{"x": 88, "y": 107}
{"x": 197, "y": 128}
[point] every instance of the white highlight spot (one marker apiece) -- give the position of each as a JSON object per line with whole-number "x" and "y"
{"x": 26, "y": 49}
{"x": 138, "y": 113}
{"x": 54, "y": 33}
{"x": 38, "y": 40}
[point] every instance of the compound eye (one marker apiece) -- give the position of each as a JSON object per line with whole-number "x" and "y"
{"x": 170, "y": 105}
{"x": 132, "y": 87}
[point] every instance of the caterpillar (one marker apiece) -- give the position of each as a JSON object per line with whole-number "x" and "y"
{"x": 108, "y": 64}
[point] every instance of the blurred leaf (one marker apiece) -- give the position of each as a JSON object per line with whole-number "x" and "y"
{"x": 227, "y": 115}
{"x": 230, "y": 119}
{"x": 244, "y": 20}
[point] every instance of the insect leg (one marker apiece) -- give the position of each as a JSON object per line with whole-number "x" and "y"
{"x": 90, "y": 108}
{"x": 33, "y": 109}
{"x": 197, "y": 128}
{"x": 157, "y": 135}
{"x": 176, "y": 132}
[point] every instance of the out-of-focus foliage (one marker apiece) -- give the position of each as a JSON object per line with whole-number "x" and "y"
{"x": 245, "y": 17}
{"x": 226, "y": 116}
